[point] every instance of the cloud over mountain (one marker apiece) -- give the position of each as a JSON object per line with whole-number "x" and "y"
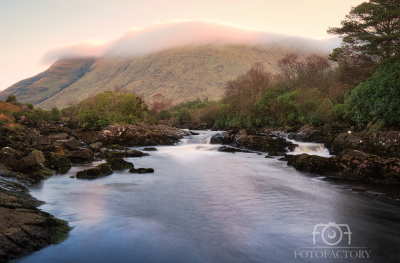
{"x": 172, "y": 34}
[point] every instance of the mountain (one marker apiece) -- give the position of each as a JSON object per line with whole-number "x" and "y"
{"x": 181, "y": 60}
{"x": 180, "y": 74}
{"x": 60, "y": 75}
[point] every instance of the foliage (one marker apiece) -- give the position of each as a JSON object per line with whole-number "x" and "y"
{"x": 109, "y": 107}
{"x": 29, "y": 105}
{"x": 371, "y": 28}
{"x": 378, "y": 98}
{"x": 11, "y": 98}
{"x": 164, "y": 115}
{"x": 184, "y": 114}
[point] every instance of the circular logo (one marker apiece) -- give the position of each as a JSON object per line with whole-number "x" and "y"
{"x": 331, "y": 235}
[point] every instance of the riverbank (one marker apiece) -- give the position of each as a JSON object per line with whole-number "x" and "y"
{"x": 36, "y": 150}
{"x": 365, "y": 156}
{"x": 23, "y": 227}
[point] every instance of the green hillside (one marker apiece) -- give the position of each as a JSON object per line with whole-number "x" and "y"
{"x": 59, "y": 76}
{"x": 179, "y": 74}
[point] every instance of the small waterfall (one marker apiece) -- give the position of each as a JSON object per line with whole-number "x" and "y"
{"x": 310, "y": 148}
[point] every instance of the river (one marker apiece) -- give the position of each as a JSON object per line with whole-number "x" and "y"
{"x": 202, "y": 205}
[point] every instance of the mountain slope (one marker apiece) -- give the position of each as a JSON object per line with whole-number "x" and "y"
{"x": 179, "y": 74}
{"x": 60, "y": 75}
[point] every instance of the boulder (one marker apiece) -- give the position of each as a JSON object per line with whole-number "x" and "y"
{"x": 84, "y": 154}
{"x": 96, "y": 146}
{"x": 9, "y": 156}
{"x": 136, "y": 153}
{"x": 59, "y": 136}
{"x": 98, "y": 171}
{"x": 72, "y": 144}
{"x": 231, "y": 149}
{"x": 142, "y": 170}
{"x": 149, "y": 149}
{"x": 221, "y": 138}
{"x": 34, "y": 158}
{"x": 308, "y": 133}
{"x": 350, "y": 164}
{"x": 119, "y": 164}
{"x": 57, "y": 162}
{"x": 134, "y": 135}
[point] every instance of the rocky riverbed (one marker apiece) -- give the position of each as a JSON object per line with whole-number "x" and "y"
{"x": 366, "y": 156}
{"x": 36, "y": 150}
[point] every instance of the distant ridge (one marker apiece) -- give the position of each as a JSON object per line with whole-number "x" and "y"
{"x": 59, "y": 76}
{"x": 179, "y": 74}
{"x": 181, "y": 60}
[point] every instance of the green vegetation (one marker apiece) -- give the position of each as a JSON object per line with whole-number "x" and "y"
{"x": 371, "y": 28}
{"x": 61, "y": 230}
{"x": 378, "y": 98}
{"x": 305, "y": 92}
{"x": 108, "y": 108}
{"x": 11, "y": 98}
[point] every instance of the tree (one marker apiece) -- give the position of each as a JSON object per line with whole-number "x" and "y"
{"x": 371, "y": 28}
{"x": 378, "y": 98}
{"x": 11, "y": 98}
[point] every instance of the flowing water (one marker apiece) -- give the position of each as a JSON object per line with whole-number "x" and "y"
{"x": 202, "y": 205}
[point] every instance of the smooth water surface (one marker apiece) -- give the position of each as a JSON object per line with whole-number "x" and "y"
{"x": 202, "y": 205}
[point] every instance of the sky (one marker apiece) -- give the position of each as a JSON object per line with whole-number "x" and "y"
{"x": 32, "y": 31}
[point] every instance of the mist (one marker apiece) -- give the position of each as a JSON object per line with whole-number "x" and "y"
{"x": 173, "y": 34}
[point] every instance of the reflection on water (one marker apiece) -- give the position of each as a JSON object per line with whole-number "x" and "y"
{"x": 202, "y": 205}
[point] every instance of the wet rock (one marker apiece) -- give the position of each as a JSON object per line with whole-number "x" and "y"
{"x": 115, "y": 147}
{"x": 98, "y": 171}
{"x": 50, "y": 128}
{"x": 136, "y": 153}
{"x": 84, "y": 154}
{"x": 57, "y": 162}
{"x": 134, "y": 135}
{"x": 34, "y": 158}
{"x": 23, "y": 227}
{"x": 59, "y": 136}
{"x": 119, "y": 164}
{"x": 96, "y": 146}
{"x": 149, "y": 149}
{"x": 194, "y": 133}
{"x": 350, "y": 164}
{"x": 222, "y": 138}
{"x": 72, "y": 144}
{"x": 309, "y": 133}
{"x": 231, "y": 149}
{"x": 142, "y": 170}
{"x": 72, "y": 123}
{"x": 9, "y": 156}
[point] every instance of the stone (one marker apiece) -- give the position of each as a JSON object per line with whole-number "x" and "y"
{"x": 59, "y": 136}
{"x": 84, "y": 154}
{"x": 98, "y": 171}
{"x": 119, "y": 164}
{"x": 96, "y": 146}
{"x": 72, "y": 144}
{"x": 34, "y": 158}
{"x": 142, "y": 170}
{"x": 149, "y": 149}
{"x": 136, "y": 153}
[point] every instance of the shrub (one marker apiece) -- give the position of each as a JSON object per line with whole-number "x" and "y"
{"x": 378, "y": 98}
{"x": 11, "y": 98}
{"x": 110, "y": 108}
